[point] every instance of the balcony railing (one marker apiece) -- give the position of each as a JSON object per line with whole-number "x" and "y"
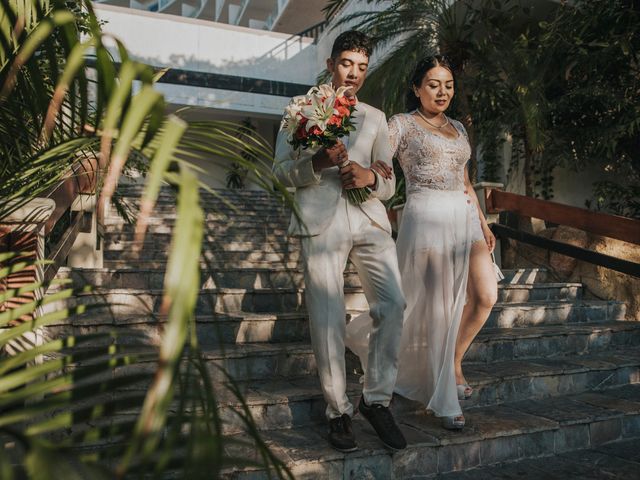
{"x": 313, "y": 31}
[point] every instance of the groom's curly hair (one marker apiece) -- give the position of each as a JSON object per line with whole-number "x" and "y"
{"x": 352, "y": 41}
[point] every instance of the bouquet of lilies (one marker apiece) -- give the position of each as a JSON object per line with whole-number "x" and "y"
{"x": 318, "y": 119}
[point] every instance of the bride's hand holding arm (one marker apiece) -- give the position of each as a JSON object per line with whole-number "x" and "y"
{"x": 382, "y": 169}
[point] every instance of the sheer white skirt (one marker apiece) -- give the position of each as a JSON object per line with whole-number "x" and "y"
{"x": 437, "y": 230}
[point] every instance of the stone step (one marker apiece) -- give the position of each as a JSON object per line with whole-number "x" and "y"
{"x": 545, "y": 303}
{"x": 273, "y": 276}
{"x": 492, "y": 344}
{"x": 223, "y": 257}
{"x": 295, "y": 358}
{"x": 159, "y": 218}
{"x": 208, "y": 265}
{"x": 515, "y": 293}
{"x": 550, "y": 341}
{"x": 524, "y": 275}
{"x": 554, "y": 313}
{"x": 206, "y": 198}
{"x": 133, "y": 198}
{"x": 294, "y": 402}
{"x": 493, "y": 435}
{"x": 513, "y": 380}
{"x": 230, "y": 242}
{"x": 157, "y": 248}
{"x": 133, "y": 193}
{"x": 215, "y": 227}
{"x": 261, "y": 361}
{"x": 212, "y": 330}
{"x": 166, "y": 205}
{"x": 131, "y": 302}
{"x": 615, "y": 460}
{"x": 213, "y": 210}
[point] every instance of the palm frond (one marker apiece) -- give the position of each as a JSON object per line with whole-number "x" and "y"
{"x": 74, "y": 404}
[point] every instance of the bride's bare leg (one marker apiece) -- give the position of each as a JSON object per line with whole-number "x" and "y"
{"x": 482, "y": 293}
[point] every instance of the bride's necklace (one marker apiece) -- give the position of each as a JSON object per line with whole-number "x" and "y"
{"x": 446, "y": 120}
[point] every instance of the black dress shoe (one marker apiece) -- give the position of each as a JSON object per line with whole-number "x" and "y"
{"x": 341, "y": 435}
{"x": 383, "y": 423}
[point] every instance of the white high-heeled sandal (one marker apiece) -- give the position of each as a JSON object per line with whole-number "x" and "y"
{"x": 453, "y": 423}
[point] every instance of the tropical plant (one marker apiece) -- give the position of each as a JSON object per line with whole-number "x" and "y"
{"x": 560, "y": 79}
{"x": 410, "y": 30}
{"x": 614, "y": 198}
{"x": 596, "y": 115}
{"x": 237, "y": 174}
{"x": 99, "y": 405}
{"x": 500, "y": 64}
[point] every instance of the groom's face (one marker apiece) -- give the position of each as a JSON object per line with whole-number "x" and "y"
{"x": 348, "y": 69}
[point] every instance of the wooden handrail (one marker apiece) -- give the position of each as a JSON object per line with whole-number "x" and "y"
{"x": 24, "y": 232}
{"x": 613, "y": 226}
{"x": 82, "y": 178}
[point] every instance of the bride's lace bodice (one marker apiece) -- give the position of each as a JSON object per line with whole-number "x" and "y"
{"x": 429, "y": 160}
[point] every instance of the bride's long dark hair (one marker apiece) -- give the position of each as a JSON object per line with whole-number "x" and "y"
{"x": 412, "y": 102}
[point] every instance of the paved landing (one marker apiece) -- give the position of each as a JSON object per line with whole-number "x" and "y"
{"x": 618, "y": 460}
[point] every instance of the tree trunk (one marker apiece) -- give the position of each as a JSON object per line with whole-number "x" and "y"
{"x": 528, "y": 167}
{"x": 525, "y": 223}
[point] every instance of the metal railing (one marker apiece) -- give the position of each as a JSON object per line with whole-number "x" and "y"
{"x": 314, "y": 31}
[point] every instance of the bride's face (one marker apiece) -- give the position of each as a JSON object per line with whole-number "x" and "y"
{"x": 436, "y": 90}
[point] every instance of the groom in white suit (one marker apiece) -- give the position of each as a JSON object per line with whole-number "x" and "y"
{"x": 333, "y": 230}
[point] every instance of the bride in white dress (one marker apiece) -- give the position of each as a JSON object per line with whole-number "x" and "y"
{"x": 443, "y": 247}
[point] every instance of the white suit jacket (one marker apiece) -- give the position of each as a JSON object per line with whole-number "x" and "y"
{"x": 317, "y": 194}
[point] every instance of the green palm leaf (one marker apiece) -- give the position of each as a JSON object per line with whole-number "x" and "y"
{"x": 74, "y": 404}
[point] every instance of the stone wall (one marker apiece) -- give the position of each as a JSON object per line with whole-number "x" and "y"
{"x": 599, "y": 282}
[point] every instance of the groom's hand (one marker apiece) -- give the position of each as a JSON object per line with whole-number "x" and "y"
{"x": 355, "y": 176}
{"x": 328, "y": 157}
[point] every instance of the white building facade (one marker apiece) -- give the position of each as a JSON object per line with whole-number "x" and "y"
{"x": 243, "y": 59}
{"x": 227, "y": 60}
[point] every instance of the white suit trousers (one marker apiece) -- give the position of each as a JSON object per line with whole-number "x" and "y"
{"x": 372, "y": 250}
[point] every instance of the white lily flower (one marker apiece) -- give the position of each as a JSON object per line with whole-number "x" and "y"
{"x": 326, "y": 90}
{"x": 289, "y": 125}
{"x": 320, "y": 111}
{"x": 291, "y": 119}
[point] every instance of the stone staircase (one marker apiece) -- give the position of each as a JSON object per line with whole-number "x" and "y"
{"x": 552, "y": 372}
